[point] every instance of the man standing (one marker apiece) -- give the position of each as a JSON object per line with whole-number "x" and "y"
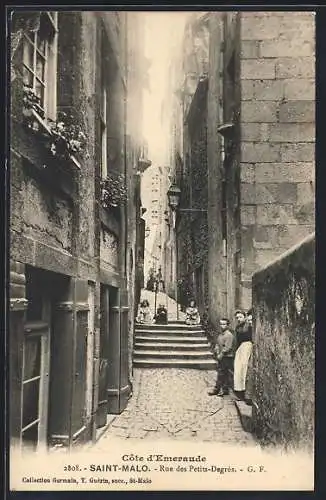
{"x": 224, "y": 352}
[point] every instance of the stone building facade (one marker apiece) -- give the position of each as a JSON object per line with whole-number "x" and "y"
{"x": 255, "y": 92}
{"x": 277, "y": 163}
{"x": 73, "y": 233}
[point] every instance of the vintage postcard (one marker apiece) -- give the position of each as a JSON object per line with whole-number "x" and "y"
{"x": 162, "y": 275}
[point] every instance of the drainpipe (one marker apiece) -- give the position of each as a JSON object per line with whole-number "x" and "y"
{"x": 125, "y": 141}
{"x": 125, "y": 55}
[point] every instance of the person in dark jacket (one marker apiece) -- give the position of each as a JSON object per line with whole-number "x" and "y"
{"x": 243, "y": 333}
{"x": 161, "y": 317}
{"x": 224, "y": 351}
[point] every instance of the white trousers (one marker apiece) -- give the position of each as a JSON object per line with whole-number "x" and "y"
{"x": 241, "y": 360}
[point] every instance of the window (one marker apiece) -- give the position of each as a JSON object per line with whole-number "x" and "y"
{"x": 40, "y": 62}
{"x": 104, "y": 137}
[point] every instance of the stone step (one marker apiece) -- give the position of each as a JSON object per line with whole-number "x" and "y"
{"x": 204, "y": 354}
{"x": 181, "y": 324}
{"x": 169, "y": 326}
{"x": 188, "y": 333}
{"x": 163, "y": 346}
{"x": 202, "y": 364}
{"x": 170, "y": 338}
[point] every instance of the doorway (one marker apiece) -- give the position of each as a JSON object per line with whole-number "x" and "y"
{"x": 42, "y": 289}
{"x": 108, "y": 298}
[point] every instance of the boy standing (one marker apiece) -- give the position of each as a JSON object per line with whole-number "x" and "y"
{"x": 225, "y": 352}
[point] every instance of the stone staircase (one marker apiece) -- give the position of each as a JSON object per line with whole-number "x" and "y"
{"x": 175, "y": 345}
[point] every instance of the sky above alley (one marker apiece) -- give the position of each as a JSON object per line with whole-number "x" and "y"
{"x": 163, "y": 35}
{"x": 162, "y": 39}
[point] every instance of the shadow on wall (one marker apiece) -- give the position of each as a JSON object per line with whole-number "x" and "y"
{"x": 284, "y": 349}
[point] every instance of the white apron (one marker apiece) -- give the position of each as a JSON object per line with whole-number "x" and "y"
{"x": 241, "y": 360}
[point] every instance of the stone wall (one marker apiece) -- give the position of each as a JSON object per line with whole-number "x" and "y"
{"x": 284, "y": 348}
{"x": 277, "y": 134}
{"x": 216, "y": 260}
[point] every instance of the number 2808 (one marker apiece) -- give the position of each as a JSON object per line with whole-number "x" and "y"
{"x": 71, "y": 468}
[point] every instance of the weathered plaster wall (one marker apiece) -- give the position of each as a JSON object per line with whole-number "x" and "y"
{"x": 85, "y": 107}
{"x": 109, "y": 246}
{"x": 284, "y": 348}
{"x": 277, "y": 134}
{"x": 45, "y": 217}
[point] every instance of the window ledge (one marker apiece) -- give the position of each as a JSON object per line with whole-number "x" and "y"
{"x": 75, "y": 162}
{"x": 45, "y": 128}
{"x": 28, "y": 113}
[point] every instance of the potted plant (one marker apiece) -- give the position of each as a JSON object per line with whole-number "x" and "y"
{"x": 64, "y": 137}
{"x": 67, "y": 139}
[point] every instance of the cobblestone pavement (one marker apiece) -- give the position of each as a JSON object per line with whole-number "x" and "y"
{"x": 173, "y": 404}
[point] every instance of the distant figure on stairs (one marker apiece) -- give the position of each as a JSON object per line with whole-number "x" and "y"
{"x": 144, "y": 314}
{"x": 161, "y": 317}
{"x": 192, "y": 314}
{"x": 160, "y": 281}
{"x": 151, "y": 281}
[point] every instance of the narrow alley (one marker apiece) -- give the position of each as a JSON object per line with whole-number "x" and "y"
{"x": 162, "y": 242}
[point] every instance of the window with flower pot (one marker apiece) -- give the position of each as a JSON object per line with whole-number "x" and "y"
{"x": 40, "y": 64}
{"x": 113, "y": 182}
{"x": 61, "y": 133}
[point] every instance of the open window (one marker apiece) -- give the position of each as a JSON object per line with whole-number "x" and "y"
{"x": 40, "y": 63}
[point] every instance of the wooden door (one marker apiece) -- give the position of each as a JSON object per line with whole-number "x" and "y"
{"x": 103, "y": 364}
{"x": 124, "y": 385}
